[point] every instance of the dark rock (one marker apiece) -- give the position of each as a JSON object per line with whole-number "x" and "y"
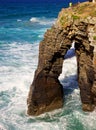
{"x": 46, "y": 92}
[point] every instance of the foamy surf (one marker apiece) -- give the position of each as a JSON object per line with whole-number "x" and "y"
{"x": 2, "y": 128}
{"x": 33, "y": 19}
{"x": 19, "y": 20}
{"x": 42, "y": 21}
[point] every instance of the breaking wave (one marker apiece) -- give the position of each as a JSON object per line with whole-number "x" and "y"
{"x": 42, "y": 21}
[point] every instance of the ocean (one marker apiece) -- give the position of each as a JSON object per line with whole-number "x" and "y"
{"x": 22, "y": 27}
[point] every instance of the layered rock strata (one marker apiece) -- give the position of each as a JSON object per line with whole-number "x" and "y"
{"x": 46, "y": 92}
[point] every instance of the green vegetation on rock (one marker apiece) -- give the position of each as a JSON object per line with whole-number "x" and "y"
{"x": 94, "y": 38}
{"x": 75, "y": 17}
{"x": 80, "y": 11}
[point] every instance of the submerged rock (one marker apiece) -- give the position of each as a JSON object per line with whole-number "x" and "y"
{"x": 46, "y": 92}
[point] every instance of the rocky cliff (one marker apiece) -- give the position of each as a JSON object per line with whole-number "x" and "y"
{"x": 76, "y": 23}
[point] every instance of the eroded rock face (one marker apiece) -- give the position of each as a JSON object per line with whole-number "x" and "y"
{"x": 46, "y": 92}
{"x": 86, "y": 73}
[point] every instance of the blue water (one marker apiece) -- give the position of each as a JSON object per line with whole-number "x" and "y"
{"x": 22, "y": 26}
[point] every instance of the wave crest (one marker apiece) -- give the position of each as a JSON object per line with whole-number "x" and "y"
{"x": 43, "y": 21}
{"x": 33, "y": 19}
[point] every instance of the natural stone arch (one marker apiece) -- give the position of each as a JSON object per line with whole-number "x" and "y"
{"x": 46, "y": 92}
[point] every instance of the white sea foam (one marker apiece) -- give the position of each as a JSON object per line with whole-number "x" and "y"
{"x": 87, "y": 119}
{"x": 42, "y": 21}
{"x": 2, "y": 128}
{"x": 19, "y": 20}
{"x": 34, "y": 19}
{"x": 69, "y": 68}
{"x": 16, "y": 75}
{"x": 18, "y": 70}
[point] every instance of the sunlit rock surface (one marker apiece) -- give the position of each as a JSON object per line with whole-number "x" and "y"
{"x": 77, "y": 24}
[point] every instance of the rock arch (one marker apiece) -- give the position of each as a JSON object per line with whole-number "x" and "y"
{"x": 46, "y": 92}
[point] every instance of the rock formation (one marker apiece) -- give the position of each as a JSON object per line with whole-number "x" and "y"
{"x": 77, "y": 24}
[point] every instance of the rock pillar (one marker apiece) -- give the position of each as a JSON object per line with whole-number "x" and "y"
{"x": 46, "y": 92}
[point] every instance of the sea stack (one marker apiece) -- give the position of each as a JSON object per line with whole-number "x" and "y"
{"x": 76, "y": 23}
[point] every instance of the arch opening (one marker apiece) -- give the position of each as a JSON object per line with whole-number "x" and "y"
{"x": 68, "y": 77}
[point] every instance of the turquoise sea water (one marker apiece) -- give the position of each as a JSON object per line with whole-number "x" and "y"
{"x": 22, "y": 26}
